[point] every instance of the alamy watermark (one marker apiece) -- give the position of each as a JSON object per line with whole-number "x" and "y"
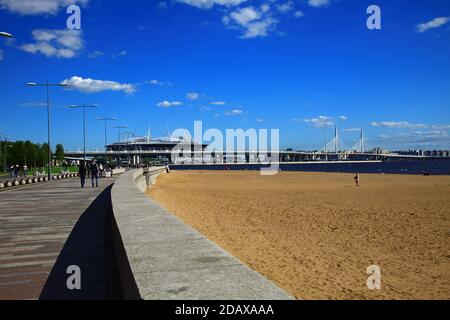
{"x": 374, "y": 20}
{"x": 236, "y": 146}
{"x": 73, "y": 282}
{"x": 74, "y": 20}
{"x": 374, "y": 279}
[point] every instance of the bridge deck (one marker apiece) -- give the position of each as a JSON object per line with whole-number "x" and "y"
{"x": 47, "y": 227}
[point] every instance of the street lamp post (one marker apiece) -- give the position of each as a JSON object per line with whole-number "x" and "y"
{"x": 1, "y": 151}
{"x": 105, "y": 119}
{"x": 47, "y": 85}
{"x": 1, "y": 145}
{"x": 84, "y": 124}
{"x": 118, "y": 133}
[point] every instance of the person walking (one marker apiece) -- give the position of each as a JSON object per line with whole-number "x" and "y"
{"x": 82, "y": 171}
{"x": 357, "y": 178}
{"x": 100, "y": 167}
{"x": 94, "y": 173}
{"x": 25, "y": 170}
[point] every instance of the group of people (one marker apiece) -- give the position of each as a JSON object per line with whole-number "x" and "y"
{"x": 15, "y": 171}
{"x": 93, "y": 169}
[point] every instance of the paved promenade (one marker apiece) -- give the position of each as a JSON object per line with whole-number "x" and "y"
{"x": 47, "y": 227}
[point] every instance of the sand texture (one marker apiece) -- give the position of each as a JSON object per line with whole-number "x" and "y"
{"x": 315, "y": 234}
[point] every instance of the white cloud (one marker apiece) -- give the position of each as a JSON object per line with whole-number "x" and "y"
{"x": 218, "y": 103}
{"x": 441, "y": 127}
{"x": 234, "y": 112}
{"x": 93, "y": 86}
{"x": 95, "y": 54}
{"x": 437, "y": 138}
{"x": 398, "y": 125}
{"x": 33, "y": 104}
{"x": 259, "y": 120}
{"x": 352, "y": 130}
{"x": 254, "y": 22}
{"x": 122, "y": 53}
{"x": 55, "y": 43}
{"x": 322, "y": 121}
{"x": 32, "y": 7}
{"x": 168, "y": 104}
{"x": 298, "y": 14}
{"x": 155, "y": 83}
{"x": 162, "y": 5}
{"x": 208, "y": 4}
{"x": 245, "y": 15}
{"x": 318, "y": 3}
{"x": 192, "y": 96}
{"x": 435, "y": 23}
{"x": 319, "y": 122}
{"x": 259, "y": 28}
{"x": 286, "y": 7}
{"x": 205, "y": 108}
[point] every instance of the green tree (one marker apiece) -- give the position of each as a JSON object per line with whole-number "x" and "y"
{"x": 44, "y": 154}
{"x": 18, "y": 155}
{"x": 29, "y": 153}
{"x": 26, "y": 152}
{"x": 59, "y": 153}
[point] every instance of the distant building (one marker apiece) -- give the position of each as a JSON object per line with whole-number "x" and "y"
{"x": 380, "y": 151}
{"x": 146, "y": 150}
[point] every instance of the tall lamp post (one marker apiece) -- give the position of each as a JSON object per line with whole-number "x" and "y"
{"x": 84, "y": 124}
{"x": 1, "y": 151}
{"x": 1, "y": 145}
{"x": 47, "y": 85}
{"x": 118, "y": 133}
{"x": 105, "y": 119}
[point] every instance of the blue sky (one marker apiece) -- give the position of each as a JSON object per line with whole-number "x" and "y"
{"x": 298, "y": 65}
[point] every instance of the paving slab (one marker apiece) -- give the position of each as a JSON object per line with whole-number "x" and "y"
{"x": 41, "y": 226}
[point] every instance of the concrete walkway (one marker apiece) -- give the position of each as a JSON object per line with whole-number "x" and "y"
{"x": 169, "y": 260}
{"x": 47, "y": 227}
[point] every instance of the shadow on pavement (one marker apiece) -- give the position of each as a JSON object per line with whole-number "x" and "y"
{"x": 90, "y": 247}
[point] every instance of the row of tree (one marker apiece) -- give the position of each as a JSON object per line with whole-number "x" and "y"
{"x": 28, "y": 153}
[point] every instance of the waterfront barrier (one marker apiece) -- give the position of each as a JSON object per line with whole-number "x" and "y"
{"x": 161, "y": 258}
{"x": 118, "y": 171}
{"x": 33, "y": 180}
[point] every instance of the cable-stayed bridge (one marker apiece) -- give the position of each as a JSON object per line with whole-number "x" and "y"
{"x": 337, "y": 145}
{"x": 135, "y": 152}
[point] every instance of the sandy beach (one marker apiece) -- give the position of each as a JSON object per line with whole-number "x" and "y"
{"x": 315, "y": 234}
